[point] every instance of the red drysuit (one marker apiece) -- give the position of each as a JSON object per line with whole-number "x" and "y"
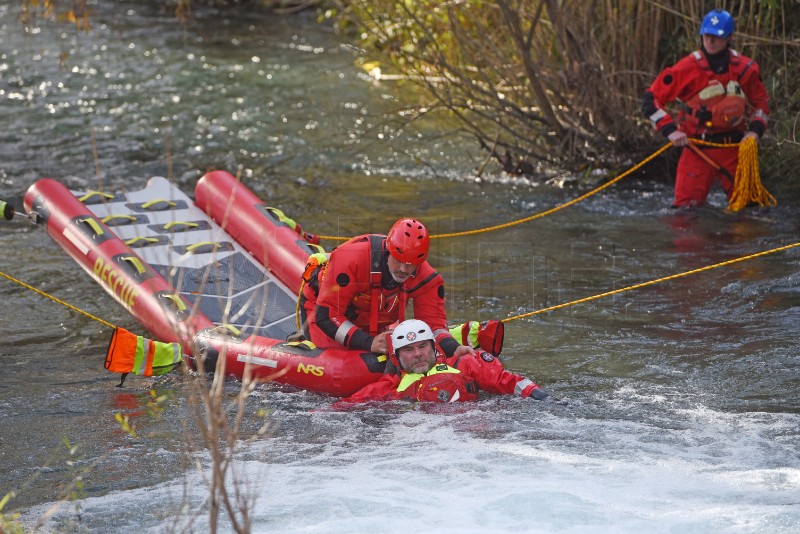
{"x": 722, "y": 96}
{"x": 337, "y": 301}
{"x": 450, "y": 379}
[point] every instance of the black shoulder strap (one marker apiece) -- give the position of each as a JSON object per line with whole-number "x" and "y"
{"x": 375, "y": 259}
{"x": 375, "y": 275}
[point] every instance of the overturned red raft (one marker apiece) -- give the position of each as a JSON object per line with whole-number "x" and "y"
{"x": 219, "y": 275}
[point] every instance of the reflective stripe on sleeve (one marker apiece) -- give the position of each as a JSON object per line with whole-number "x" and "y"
{"x": 343, "y": 331}
{"x": 521, "y": 385}
{"x": 657, "y": 116}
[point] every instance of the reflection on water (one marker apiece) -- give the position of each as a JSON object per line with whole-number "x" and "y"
{"x": 676, "y": 391}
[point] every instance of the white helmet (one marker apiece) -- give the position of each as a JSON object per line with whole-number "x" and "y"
{"x": 409, "y": 332}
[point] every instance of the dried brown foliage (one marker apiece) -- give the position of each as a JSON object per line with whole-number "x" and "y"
{"x": 559, "y": 82}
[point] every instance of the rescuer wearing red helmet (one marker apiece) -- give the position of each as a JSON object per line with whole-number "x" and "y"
{"x": 353, "y": 297}
{"x": 426, "y": 375}
{"x": 723, "y": 101}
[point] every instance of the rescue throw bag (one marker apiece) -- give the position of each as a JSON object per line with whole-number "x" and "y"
{"x": 485, "y": 335}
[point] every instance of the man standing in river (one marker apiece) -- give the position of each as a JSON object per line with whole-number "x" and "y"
{"x": 724, "y": 101}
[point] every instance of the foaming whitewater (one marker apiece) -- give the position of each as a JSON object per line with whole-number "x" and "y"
{"x": 501, "y": 465}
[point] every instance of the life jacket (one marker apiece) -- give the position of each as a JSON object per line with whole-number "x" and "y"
{"x": 485, "y": 335}
{"x": 719, "y": 106}
{"x": 441, "y": 384}
{"x": 374, "y": 302}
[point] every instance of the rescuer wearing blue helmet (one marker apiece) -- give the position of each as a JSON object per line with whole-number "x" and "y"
{"x": 723, "y": 101}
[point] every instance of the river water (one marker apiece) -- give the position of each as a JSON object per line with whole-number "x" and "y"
{"x": 683, "y": 408}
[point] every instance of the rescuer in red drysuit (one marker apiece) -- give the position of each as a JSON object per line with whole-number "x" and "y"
{"x": 421, "y": 373}
{"x": 351, "y": 298}
{"x": 724, "y": 101}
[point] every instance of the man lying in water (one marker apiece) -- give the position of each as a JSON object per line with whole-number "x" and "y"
{"x": 418, "y": 372}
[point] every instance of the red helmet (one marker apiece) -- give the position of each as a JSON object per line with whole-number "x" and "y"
{"x": 408, "y": 241}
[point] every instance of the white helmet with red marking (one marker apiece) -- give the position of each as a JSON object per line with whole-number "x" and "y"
{"x": 409, "y": 332}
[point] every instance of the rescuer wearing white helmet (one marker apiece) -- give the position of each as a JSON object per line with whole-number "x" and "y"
{"x": 426, "y": 375}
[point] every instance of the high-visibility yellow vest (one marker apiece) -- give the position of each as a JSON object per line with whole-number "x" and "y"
{"x": 410, "y": 378}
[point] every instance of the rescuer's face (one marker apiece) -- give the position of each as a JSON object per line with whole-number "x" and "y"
{"x": 417, "y": 357}
{"x": 400, "y": 271}
{"x": 714, "y": 44}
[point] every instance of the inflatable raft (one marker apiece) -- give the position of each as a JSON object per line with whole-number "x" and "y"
{"x": 219, "y": 275}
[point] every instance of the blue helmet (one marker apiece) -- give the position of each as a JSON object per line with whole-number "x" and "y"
{"x": 718, "y": 23}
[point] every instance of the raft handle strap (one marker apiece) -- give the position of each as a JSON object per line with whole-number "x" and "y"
{"x": 151, "y": 203}
{"x": 91, "y": 194}
{"x": 93, "y": 225}
{"x": 136, "y": 262}
{"x": 115, "y": 216}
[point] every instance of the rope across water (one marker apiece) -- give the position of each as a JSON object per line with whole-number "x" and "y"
{"x": 51, "y": 297}
{"x": 651, "y": 282}
{"x": 507, "y": 319}
{"x": 747, "y": 174}
{"x": 544, "y": 213}
{"x": 747, "y": 188}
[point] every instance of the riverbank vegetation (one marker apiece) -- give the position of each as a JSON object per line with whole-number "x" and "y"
{"x": 560, "y": 83}
{"x": 542, "y": 84}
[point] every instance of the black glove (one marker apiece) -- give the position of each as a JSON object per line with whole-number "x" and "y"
{"x": 539, "y": 394}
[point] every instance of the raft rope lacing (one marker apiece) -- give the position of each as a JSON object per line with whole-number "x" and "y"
{"x": 747, "y": 188}
{"x": 507, "y": 319}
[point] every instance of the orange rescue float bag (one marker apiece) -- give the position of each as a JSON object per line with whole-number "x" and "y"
{"x": 129, "y": 353}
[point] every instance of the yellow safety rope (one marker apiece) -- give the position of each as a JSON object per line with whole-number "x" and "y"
{"x": 747, "y": 186}
{"x": 544, "y": 213}
{"x": 51, "y": 297}
{"x": 750, "y": 190}
{"x": 507, "y": 319}
{"x": 651, "y": 282}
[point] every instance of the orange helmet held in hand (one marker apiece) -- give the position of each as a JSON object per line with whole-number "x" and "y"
{"x": 408, "y": 241}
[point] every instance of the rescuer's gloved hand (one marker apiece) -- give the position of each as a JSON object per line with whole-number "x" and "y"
{"x": 751, "y": 135}
{"x": 534, "y": 391}
{"x": 538, "y": 394}
{"x": 678, "y": 138}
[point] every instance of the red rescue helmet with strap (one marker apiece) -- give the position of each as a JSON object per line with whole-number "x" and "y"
{"x": 408, "y": 241}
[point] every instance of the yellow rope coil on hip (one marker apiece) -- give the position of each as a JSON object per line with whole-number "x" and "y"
{"x": 747, "y": 187}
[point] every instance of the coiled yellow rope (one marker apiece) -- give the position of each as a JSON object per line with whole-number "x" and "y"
{"x": 747, "y": 185}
